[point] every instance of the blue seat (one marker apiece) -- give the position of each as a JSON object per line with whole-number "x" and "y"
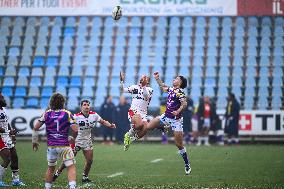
{"x": 52, "y": 61}
{"x": 44, "y": 103}
{"x": 187, "y": 21}
{"x": 34, "y": 91}
{"x": 32, "y": 103}
{"x": 62, "y": 81}
{"x": 88, "y": 92}
{"x": 61, "y": 90}
{"x": 198, "y": 60}
{"x": 20, "y": 92}
{"x": 197, "y": 71}
{"x": 9, "y": 81}
{"x": 75, "y": 82}
{"x": 38, "y": 61}
{"x": 251, "y": 61}
{"x": 48, "y": 81}
{"x": 74, "y": 92}
{"x": 46, "y": 91}
{"x": 18, "y": 103}
{"x": 50, "y": 71}
{"x": 237, "y": 71}
{"x": 7, "y": 91}
{"x": 24, "y": 71}
{"x": 276, "y": 103}
{"x": 63, "y": 71}
{"x": 248, "y": 103}
{"x": 22, "y": 81}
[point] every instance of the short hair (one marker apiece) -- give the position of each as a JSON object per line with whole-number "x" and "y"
{"x": 183, "y": 82}
{"x": 232, "y": 95}
{"x": 85, "y": 100}
{"x": 56, "y": 101}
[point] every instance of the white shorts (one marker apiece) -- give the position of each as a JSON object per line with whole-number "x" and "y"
{"x": 7, "y": 140}
{"x": 84, "y": 144}
{"x": 206, "y": 122}
{"x": 176, "y": 124}
{"x": 194, "y": 124}
{"x": 131, "y": 113}
{"x": 66, "y": 153}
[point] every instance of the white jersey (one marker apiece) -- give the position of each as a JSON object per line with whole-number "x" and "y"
{"x": 4, "y": 120}
{"x": 139, "y": 102}
{"x": 85, "y": 125}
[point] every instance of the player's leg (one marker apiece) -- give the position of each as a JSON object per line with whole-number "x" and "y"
{"x": 88, "y": 163}
{"x": 15, "y": 168}
{"x": 49, "y": 174}
{"x": 136, "y": 125}
{"x": 69, "y": 161}
{"x": 5, "y": 155}
{"x": 58, "y": 171}
{"x": 178, "y": 137}
{"x": 62, "y": 166}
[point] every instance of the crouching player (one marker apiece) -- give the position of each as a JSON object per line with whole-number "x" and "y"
{"x": 57, "y": 121}
{"x": 86, "y": 120}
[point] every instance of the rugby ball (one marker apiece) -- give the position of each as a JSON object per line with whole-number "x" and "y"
{"x": 117, "y": 13}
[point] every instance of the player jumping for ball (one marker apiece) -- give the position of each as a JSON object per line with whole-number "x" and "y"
{"x": 176, "y": 102}
{"x": 137, "y": 114}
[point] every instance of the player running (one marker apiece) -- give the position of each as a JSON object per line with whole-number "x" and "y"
{"x": 137, "y": 114}
{"x": 8, "y": 142}
{"x": 57, "y": 121}
{"x": 86, "y": 120}
{"x": 176, "y": 102}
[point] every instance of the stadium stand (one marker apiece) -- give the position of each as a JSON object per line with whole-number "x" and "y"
{"x": 82, "y": 57}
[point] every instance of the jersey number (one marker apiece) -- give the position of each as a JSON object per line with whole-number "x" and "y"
{"x": 57, "y": 124}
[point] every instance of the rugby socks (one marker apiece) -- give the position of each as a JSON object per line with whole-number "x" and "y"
{"x": 183, "y": 153}
{"x": 131, "y": 132}
{"x": 72, "y": 185}
{"x": 2, "y": 172}
{"x": 15, "y": 175}
{"x": 48, "y": 185}
{"x": 206, "y": 140}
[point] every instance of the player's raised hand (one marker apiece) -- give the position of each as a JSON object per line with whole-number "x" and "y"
{"x": 113, "y": 126}
{"x": 156, "y": 75}
{"x": 35, "y": 146}
{"x": 122, "y": 76}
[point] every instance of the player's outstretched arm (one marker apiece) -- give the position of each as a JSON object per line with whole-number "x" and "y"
{"x": 122, "y": 88}
{"x": 107, "y": 124}
{"x": 162, "y": 85}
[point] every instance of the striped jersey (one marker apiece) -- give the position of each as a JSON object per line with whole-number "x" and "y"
{"x": 57, "y": 124}
{"x": 174, "y": 102}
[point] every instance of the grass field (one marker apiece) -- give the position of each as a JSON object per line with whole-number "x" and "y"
{"x": 248, "y": 166}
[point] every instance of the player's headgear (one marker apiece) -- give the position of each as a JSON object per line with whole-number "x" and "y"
{"x": 56, "y": 101}
{"x": 183, "y": 82}
{"x": 86, "y": 101}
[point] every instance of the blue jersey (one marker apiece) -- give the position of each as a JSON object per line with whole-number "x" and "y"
{"x": 57, "y": 124}
{"x": 174, "y": 102}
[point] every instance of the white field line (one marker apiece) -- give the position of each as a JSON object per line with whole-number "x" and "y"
{"x": 156, "y": 160}
{"x": 115, "y": 174}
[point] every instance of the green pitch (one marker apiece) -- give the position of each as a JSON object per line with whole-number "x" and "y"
{"x": 251, "y": 166}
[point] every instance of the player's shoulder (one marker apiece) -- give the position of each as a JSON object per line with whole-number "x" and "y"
{"x": 66, "y": 111}
{"x": 78, "y": 114}
{"x": 180, "y": 92}
{"x": 92, "y": 113}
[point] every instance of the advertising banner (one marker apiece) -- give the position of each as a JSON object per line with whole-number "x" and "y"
{"x": 250, "y": 123}
{"x": 129, "y": 7}
{"x": 261, "y": 7}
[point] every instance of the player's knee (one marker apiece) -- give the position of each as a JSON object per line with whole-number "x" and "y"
{"x": 6, "y": 161}
{"x": 89, "y": 161}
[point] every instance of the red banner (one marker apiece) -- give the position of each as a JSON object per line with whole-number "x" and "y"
{"x": 260, "y": 7}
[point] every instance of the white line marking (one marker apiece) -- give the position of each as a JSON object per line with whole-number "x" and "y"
{"x": 156, "y": 160}
{"x": 115, "y": 174}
